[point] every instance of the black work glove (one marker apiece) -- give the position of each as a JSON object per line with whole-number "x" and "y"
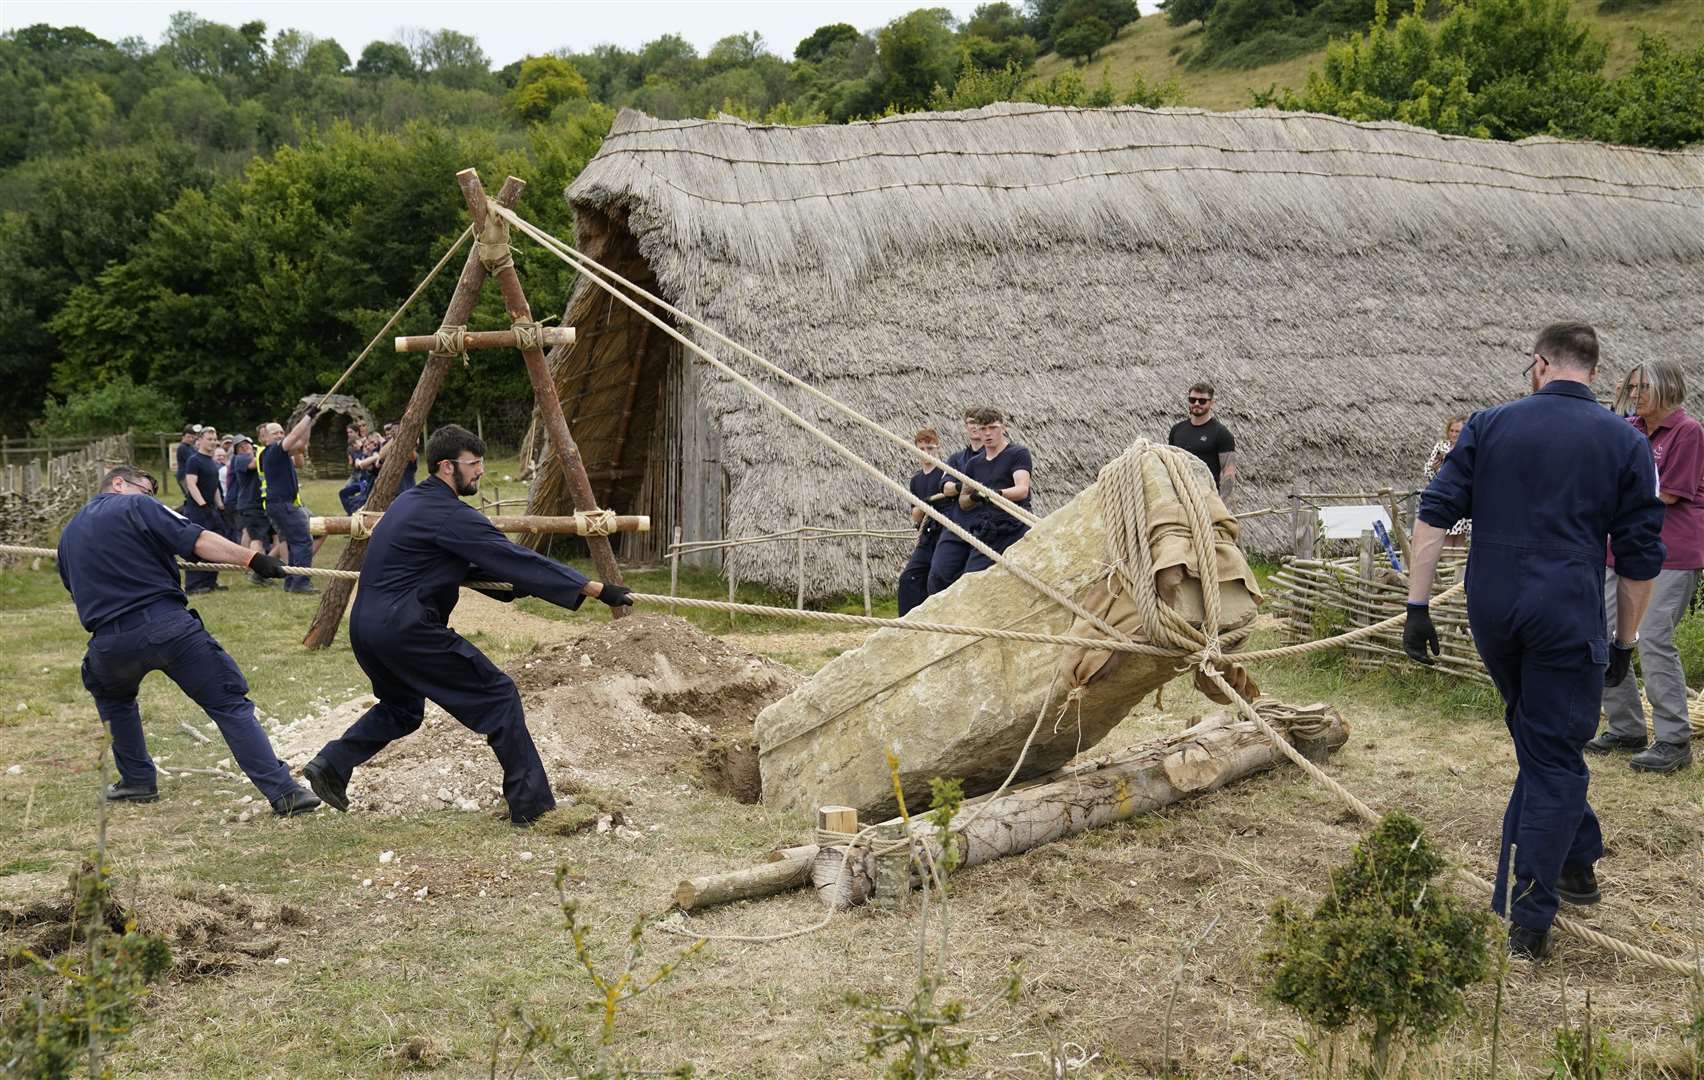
{"x": 616, "y": 595}
{"x": 265, "y": 565}
{"x": 312, "y": 411}
{"x": 978, "y": 495}
{"x": 1620, "y": 662}
{"x": 1418, "y": 633}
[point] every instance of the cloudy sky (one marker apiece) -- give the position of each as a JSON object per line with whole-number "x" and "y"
{"x": 508, "y": 29}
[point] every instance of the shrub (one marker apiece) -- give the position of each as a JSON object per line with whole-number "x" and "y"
{"x": 1082, "y": 40}
{"x": 116, "y": 407}
{"x": 1385, "y": 950}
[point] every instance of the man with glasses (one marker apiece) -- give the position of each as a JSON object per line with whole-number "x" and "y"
{"x": 429, "y": 542}
{"x": 1202, "y": 435}
{"x": 118, "y": 559}
{"x": 1546, "y": 479}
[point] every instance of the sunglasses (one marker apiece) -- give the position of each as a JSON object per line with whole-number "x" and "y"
{"x": 1199, "y": 400}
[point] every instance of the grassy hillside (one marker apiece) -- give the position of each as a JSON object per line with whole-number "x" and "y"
{"x": 1151, "y": 47}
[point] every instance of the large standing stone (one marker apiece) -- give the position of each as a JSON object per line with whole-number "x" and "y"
{"x": 954, "y": 706}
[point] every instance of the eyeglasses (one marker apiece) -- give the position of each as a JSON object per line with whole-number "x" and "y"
{"x": 1199, "y": 400}
{"x": 475, "y": 461}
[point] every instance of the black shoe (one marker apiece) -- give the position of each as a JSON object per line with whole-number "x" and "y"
{"x": 307, "y": 591}
{"x": 256, "y": 579}
{"x": 122, "y": 792}
{"x": 300, "y": 801}
{"x": 1524, "y": 944}
{"x": 1663, "y": 757}
{"x": 326, "y": 785}
{"x": 1609, "y": 742}
{"x": 1578, "y": 887}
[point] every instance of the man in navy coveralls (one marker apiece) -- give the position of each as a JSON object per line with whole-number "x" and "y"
{"x": 425, "y": 546}
{"x": 926, "y": 485}
{"x": 283, "y": 503}
{"x": 118, "y": 559}
{"x": 1546, "y": 479}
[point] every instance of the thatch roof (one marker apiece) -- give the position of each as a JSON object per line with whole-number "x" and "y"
{"x": 1345, "y": 285}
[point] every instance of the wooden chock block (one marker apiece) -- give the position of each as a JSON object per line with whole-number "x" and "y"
{"x": 837, "y": 819}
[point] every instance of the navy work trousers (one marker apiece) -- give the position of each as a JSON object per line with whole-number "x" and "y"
{"x": 1548, "y": 665}
{"x": 410, "y": 660}
{"x": 168, "y": 637}
{"x": 291, "y": 523}
{"x": 946, "y": 565}
{"x": 999, "y": 536}
{"x": 914, "y": 579}
{"x": 197, "y": 581}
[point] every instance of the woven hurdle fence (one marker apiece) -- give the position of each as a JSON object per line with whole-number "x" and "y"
{"x": 38, "y": 496}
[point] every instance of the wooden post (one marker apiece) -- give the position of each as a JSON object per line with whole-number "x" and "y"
{"x": 674, "y": 568}
{"x": 800, "y": 604}
{"x": 411, "y": 429}
{"x": 733, "y": 582}
{"x": 864, "y": 556}
{"x": 543, "y": 383}
{"x": 837, "y": 819}
{"x": 1304, "y": 528}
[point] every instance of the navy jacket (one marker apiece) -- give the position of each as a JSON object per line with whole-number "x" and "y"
{"x": 1547, "y": 479}
{"x": 119, "y": 554}
{"x": 429, "y": 542}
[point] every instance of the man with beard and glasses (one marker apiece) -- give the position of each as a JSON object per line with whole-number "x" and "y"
{"x": 424, "y": 547}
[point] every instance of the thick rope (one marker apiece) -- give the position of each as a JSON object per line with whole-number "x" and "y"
{"x": 397, "y": 314}
{"x": 492, "y": 243}
{"x": 602, "y": 275}
{"x": 528, "y": 335}
{"x": 450, "y": 339}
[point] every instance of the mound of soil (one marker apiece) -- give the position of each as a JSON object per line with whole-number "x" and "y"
{"x": 210, "y": 931}
{"x": 633, "y": 698}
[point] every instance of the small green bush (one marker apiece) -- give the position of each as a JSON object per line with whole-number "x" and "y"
{"x": 1385, "y": 951}
{"x": 112, "y": 409}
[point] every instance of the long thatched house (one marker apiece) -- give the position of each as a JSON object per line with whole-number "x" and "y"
{"x": 1346, "y": 287}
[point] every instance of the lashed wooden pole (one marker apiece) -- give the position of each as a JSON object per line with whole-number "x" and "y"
{"x": 323, "y": 630}
{"x": 544, "y": 386}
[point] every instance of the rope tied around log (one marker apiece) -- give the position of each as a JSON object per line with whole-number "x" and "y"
{"x": 528, "y": 335}
{"x": 595, "y": 522}
{"x": 361, "y": 523}
{"x": 450, "y": 340}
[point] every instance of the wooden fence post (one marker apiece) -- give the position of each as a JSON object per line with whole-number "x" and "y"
{"x": 864, "y": 556}
{"x": 674, "y": 567}
{"x": 800, "y": 525}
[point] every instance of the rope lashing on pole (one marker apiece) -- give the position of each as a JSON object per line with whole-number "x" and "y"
{"x": 361, "y": 524}
{"x": 595, "y": 522}
{"x": 397, "y": 314}
{"x": 492, "y": 243}
{"x": 528, "y": 335}
{"x": 450, "y": 340}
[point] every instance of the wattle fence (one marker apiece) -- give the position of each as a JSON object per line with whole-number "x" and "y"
{"x": 39, "y": 495}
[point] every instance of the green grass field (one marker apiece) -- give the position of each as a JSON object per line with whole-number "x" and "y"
{"x": 1151, "y": 47}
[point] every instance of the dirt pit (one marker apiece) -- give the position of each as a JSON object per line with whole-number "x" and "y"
{"x": 631, "y": 699}
{"x": 209, "y": 931}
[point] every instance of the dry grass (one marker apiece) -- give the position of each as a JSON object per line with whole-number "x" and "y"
{"x": 379, "y": 986}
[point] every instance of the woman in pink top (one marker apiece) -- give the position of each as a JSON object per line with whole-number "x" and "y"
{"x": 1655, "y": 392}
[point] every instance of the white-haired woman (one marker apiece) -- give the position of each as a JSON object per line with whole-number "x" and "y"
{"x": 1655, "y": 393}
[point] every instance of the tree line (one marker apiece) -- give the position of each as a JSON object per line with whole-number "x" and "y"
{"x": 214, "y": 224}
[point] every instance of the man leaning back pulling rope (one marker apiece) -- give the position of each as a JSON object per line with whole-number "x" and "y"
{"x": 427, "y": 544}
{"x": 1545, "y": 479}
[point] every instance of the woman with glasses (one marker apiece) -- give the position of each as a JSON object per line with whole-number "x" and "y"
{"x": 1654, "y": 394}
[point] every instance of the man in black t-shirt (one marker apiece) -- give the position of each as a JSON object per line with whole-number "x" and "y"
{"x": 203, "y": 502}
{"x": 1207, "y": 439}
{"x": 926, "y": 485}
{"x": 1004, "y": 466}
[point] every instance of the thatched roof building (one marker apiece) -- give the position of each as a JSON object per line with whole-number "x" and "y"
{"x": 1346, "y": 286}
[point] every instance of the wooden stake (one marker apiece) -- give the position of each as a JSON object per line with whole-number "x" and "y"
{"x": 412, "y": 429}
{"x": 838, "y": 819}
{"x": 799, "y": 524}
{"x": 864, "y": 556}
{"x": 674, "y": 568}
{"x": 544, "y": 389}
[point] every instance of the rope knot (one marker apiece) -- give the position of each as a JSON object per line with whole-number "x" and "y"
{"x": 594, "y": 522}
{"x": 361, "y": 523}
{"x": 529, "y": 335}
{"x": 450, "y": 340}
